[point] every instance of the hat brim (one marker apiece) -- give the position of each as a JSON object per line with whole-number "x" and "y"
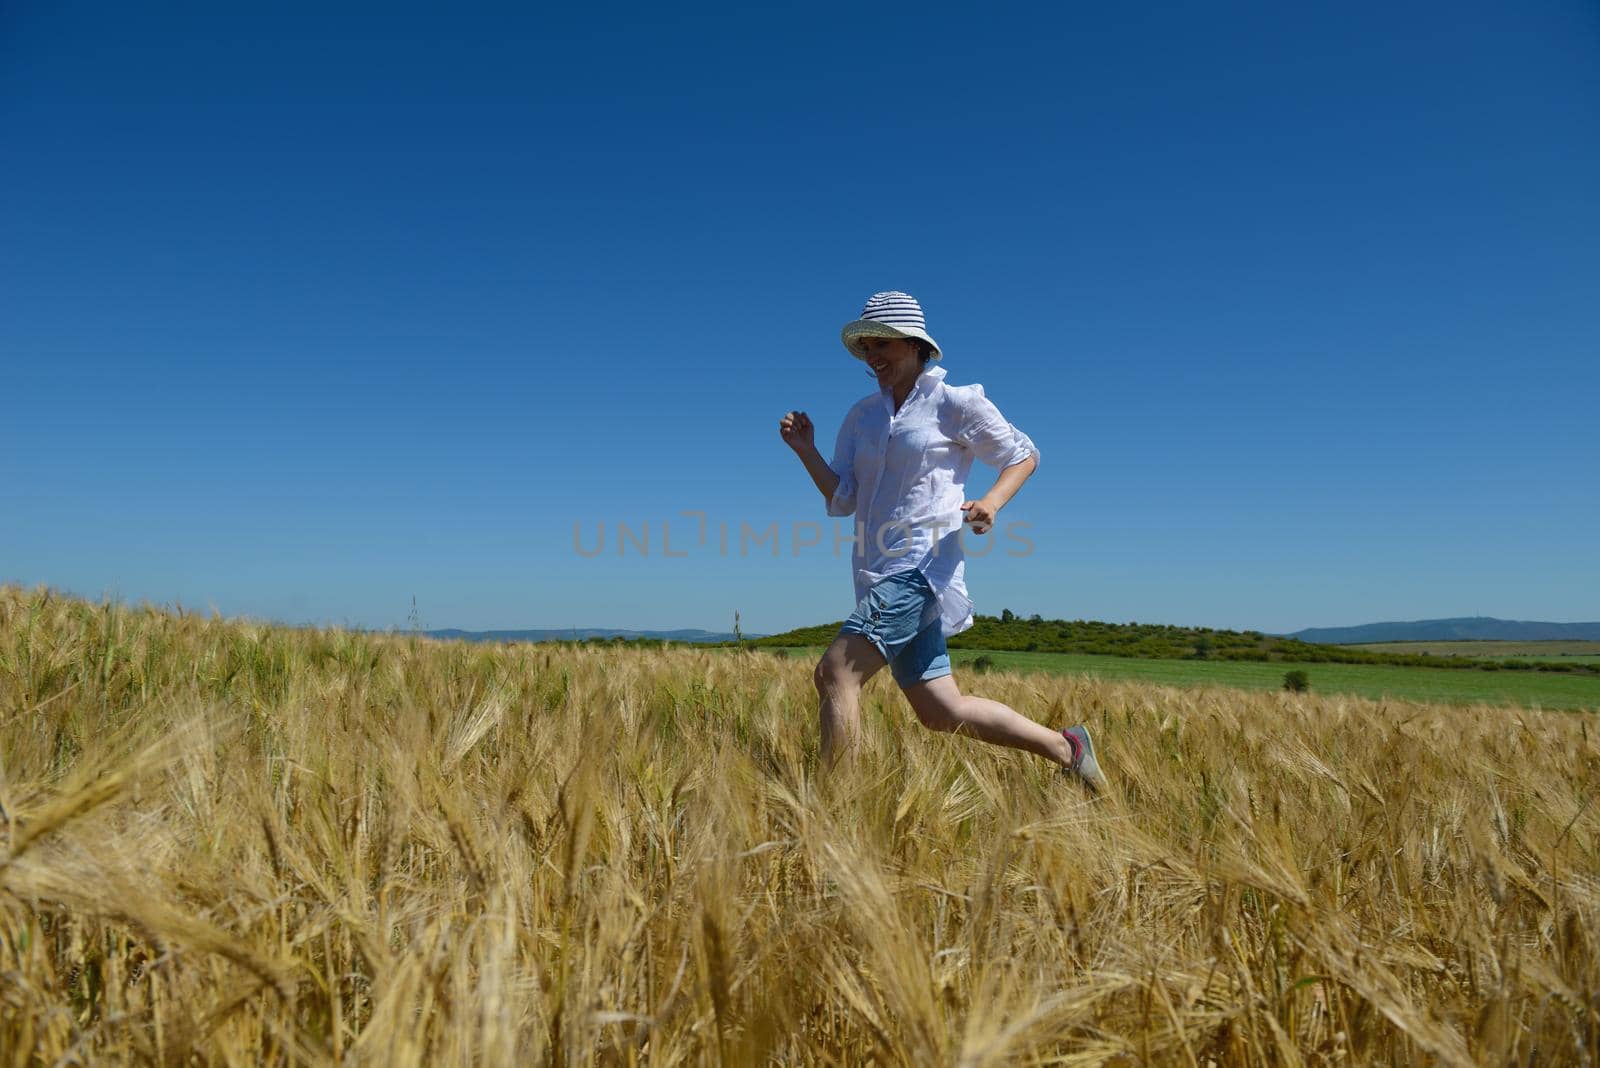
{"x": 853, "y": 332}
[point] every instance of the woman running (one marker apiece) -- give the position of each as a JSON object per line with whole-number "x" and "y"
{"x": 901, "y": 466}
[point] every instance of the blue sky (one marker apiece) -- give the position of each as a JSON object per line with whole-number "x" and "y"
{"x": 305, "y": 313}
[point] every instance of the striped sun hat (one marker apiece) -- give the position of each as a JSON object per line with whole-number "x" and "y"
{"x": 891, "y": 314}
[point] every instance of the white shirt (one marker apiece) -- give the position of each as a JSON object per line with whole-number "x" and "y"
{"x": 904, "y": 475}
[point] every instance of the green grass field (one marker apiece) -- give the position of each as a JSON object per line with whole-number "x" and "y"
{"x": 1561, "y": 652}
{"x": 1444, "y": 685}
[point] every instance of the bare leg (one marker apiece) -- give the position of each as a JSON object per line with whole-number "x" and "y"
{"x": 841, "y": 673}
{"x": 941, "y": 706}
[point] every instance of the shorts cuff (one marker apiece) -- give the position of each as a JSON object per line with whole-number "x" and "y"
{"x": 877, "y": 642}
{"x": 927, "y": 676}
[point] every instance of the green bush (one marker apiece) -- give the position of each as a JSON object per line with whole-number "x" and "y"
{"x": 983, "y": 664}
{"x": 1296, "y": 681}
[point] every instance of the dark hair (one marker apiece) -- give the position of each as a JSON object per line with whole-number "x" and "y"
{"x": 924, "y": 354}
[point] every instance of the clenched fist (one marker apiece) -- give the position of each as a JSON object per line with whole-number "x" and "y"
{"x": 980, "y": 513}
{"x": 797, "y": 432}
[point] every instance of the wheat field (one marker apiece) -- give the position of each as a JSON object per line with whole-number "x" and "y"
{"x": 230, "y": 843}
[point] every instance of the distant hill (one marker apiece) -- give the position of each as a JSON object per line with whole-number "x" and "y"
{"x": 567, "y": 634}
{"x": 1163, "y": 642}
{"x": 1467, "y": 628}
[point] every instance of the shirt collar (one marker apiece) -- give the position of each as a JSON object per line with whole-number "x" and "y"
{"x": 929, "y": 378}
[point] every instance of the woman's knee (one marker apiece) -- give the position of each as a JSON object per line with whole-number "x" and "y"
{"x": 832, "y": 677}
{"x": 935, "y": 706}
{"x": 939, "y": 719}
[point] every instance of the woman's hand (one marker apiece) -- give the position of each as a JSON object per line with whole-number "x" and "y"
{"x": 797, "y": 432}
{"x": 980, "y": 513}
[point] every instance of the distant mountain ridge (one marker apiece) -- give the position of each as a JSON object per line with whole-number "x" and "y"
{"x": 1461, "y": 629}
{"x": 567, "y": 634}
{"x": 1465, "y": 628}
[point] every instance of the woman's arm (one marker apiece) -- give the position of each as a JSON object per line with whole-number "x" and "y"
{"x": 996, "y": 442}
{"x": 1011, "y": 479}
{"x": 825, "y": 477}
{"x": 799, "y": 434}
{"x": 981, "y": 513}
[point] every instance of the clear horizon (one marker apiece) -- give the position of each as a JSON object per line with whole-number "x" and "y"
{"x": 309, "y": 311}
{"x": 429, "y": 625}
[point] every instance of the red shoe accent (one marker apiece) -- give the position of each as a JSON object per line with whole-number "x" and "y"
{"x": 1076, "y": 747}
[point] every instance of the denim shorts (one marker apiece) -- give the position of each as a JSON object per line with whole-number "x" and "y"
{"x": 900, "y": 614}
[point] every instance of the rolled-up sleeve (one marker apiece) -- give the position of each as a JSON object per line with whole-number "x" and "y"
{"x": 993, "y": 440}
{"x": 843, "y": 501}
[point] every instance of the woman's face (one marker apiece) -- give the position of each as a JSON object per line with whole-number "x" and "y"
{"x": 891, "y": 358}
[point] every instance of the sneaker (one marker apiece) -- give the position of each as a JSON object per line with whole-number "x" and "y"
{"x": 1083, "y": 765}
